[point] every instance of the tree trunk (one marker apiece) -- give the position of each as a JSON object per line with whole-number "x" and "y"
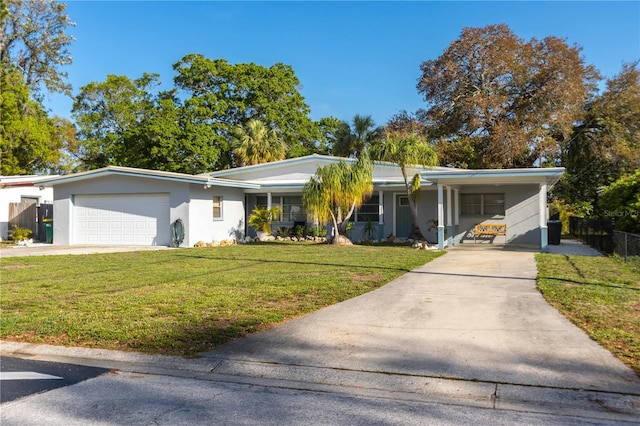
{"x": 415, "y": 233}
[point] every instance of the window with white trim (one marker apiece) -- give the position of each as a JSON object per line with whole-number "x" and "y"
{"x": 217, "y": 207}
{"x": 368, "y": 211}
{"x": 291, "y": 207}
{"x": 482, "y": 204}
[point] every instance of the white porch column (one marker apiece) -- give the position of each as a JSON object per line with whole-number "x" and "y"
{"x": 449, "y": 218}
{"x": 542, "y": 207}
{"x": 268, "y": 200}
{"x": 456, "y": 214}
{"x": 380, "y": 215}
{"x": 440, "y": 217}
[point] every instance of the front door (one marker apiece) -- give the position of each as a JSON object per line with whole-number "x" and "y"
{"x": 403, "y": 216}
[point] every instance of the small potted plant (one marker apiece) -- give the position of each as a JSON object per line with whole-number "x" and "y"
{"x": 260, "y": 219}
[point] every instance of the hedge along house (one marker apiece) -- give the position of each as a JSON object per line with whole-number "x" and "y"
{"x": 119, "y": 205}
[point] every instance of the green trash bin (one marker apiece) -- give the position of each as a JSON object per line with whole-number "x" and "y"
{"x": 48, "y": 229}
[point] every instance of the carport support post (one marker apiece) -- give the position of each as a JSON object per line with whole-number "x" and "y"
{"x": 440, "y": 218}
{"x": 456, "y": 214}
{"x": 449, "y": 222}
{"x": 544, "y": 232}
{"x": 380, "y": 215}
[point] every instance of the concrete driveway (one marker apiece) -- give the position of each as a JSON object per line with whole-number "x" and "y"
{"x": 470, "y": 323}
{"x": 467, "y": 329}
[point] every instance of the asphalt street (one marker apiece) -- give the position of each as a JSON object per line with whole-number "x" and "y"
{"x": 22, "y": 377}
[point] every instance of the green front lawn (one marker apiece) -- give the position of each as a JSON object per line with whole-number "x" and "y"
{"x": 185, "y": 301}
{"x": 601, "y": 295}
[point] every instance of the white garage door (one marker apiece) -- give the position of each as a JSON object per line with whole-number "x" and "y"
{"x": 135, "y": 219}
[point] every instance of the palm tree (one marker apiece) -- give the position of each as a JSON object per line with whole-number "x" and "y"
{"x": 407, "y": 148}
{"x": 334, "y": 192}
{"x": 354, "y": 140}
{"x": 255, "y": 143}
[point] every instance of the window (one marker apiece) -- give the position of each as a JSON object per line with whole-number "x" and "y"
{"x": 261, "y": 201}
{"x": 292, "y": 209}
{"x": 30, "y": 200}
{"x": 482, "y": 204}
{"x": 368, "y": 211}
{"x": 217, "y": 207}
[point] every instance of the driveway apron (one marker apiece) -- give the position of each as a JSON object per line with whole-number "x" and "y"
{"x": 471, "y": 315}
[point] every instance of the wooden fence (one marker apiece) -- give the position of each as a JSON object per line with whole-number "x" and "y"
{"x": 30, "y": 216}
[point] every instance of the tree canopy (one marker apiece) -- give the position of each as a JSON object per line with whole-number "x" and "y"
{"x": 29, "y": 140}
{"x": 621, "y": 202}
{"x": 223, "y": 96}
{"x": 33, "y": 39}
{"x": 605, "y": 145}
{"x": 353, "y": 140}
{"x": 193, "y": 127}
{"x": 496, "y": 101}
{"x": 254, "y": 143}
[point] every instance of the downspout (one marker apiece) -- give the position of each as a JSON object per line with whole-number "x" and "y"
{"x": 380, "y": 215}
{"x": 542, "y": 213}
{"x": 440, "y": 217}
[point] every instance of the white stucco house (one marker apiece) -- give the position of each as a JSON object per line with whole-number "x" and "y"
{"x": 121, "y": 205}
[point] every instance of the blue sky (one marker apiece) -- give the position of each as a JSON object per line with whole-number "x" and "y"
{"x": 350, "y": 57}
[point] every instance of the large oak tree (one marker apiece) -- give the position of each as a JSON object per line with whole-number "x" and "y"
{"x": 222, "y": 96}
{"x": 495, "y": 100}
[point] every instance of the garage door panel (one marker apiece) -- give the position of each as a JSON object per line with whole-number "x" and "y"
{"x": 137, "y": 219}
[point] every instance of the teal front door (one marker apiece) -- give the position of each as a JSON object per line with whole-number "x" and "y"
{"x": 403, "y": 216}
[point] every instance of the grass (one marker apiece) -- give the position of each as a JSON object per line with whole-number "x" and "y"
{"x": 601, "y": 295}
{"x": 182, "y": 302}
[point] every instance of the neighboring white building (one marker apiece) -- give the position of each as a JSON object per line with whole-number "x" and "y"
{"x": 21, "y": 189}
{"x": 121, "y": 205}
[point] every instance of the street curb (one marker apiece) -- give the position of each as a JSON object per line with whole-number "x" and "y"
{"x": 622, "y": 407}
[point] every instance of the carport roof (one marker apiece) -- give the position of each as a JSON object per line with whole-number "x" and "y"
{"x": 145, "y": 173}
{"x": 548, "y": 175}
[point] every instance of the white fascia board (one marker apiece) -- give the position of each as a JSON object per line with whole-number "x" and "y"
{"x": 106, "y": 172}
{"x": 536, "y": 175}
{"x": 143, "y": 173}
{"x": 232, "y": 183}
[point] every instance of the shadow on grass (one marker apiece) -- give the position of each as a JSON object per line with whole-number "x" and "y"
{"x": 583, "y": 279}
{"x": 301, "y": 262}
{"x": 595, "y": 284}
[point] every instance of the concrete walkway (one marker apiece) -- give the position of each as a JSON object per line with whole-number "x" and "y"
{"x": 468, "y": 329}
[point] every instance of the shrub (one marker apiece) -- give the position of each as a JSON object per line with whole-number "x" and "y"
{"x": 621, "y": 202}
{"x": 20, "y": 234}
